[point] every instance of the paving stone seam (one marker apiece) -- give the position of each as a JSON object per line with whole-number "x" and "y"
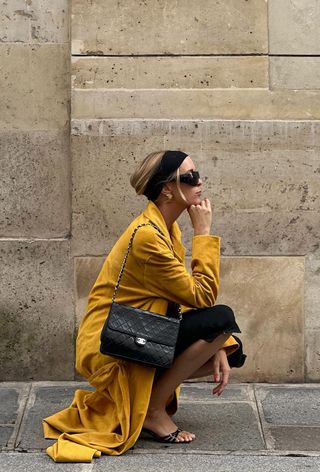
{"x": 242, "y": 452}
{"x": 268, "y": 438}
{"x": 213, "y": 401}
{"x": 257, "y": 415}
{"x": 28, "y": 404}
{"x": 22, "y": 405}
{"x": 266, "y": 386}
{"x": 196, "y": 452}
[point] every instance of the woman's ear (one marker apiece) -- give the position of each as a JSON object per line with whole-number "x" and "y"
{"x": 166, "y": 192}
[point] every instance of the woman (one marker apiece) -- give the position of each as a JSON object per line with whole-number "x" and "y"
{"x": 130, "y": 397}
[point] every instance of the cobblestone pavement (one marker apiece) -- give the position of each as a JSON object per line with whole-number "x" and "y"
{"x": 258, "y": 427}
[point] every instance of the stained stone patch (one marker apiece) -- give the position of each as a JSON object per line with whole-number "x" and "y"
{"x": 34, "y": 184}
{"x": 294, "y": 27}
{"x": 202, "y": 392}
{"x": 36, "y": 316}
{"x": 290, "y": 406}
{"x": 223, "y": 426}
{"x": 34, "y": 86}
{"x": 5, "y": 434}
{"x": 45, "y": 401}
{"x": 22, "y": 462}
{"x": 34, "y": 21}
{"x": 8, "y": 405}
{"x": 297, "y": 73}
{"x": 296, "y": 438}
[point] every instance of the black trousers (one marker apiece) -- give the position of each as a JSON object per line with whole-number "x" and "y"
{"x": 207, "y": 324}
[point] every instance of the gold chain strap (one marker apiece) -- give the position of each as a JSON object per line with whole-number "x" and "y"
{"x": 126, "y": 257}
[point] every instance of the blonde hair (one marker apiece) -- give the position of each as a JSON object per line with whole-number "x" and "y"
{"x": 147, "y": 169}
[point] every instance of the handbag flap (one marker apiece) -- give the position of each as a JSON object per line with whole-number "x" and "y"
{"x": 143, "y": 324}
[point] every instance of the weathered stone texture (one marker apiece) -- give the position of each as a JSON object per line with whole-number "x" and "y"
{"x": 192, "y": 104}
{"x": 170, "y": 72}
{"x": 266, "y": 295}
{"x": 34, "y": 21}
{"x": 34, "y": 86}
{"x": 294, "y": 27}
{"x": 36, "y": 312}
{"x": 106, "y": 27}
{"x": 34, "y": 184}
{"x": 299, "y": 73}
{"x": 261, "y": 178}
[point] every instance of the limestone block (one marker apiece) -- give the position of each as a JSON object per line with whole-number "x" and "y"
{"x": 34, "y": 21}
{"x": 240, "y": 104}
{"x": 99, "y": 196}
{"x": 34, "y": 86}
{"x": 36, "y": 317}
{"x": 14, "y": 21}
{"x": 266, "y": 294}
{"x": 106, "y": 27}
{"x": 294, "y": 73}
{"x": 294, "y": 27}
{"x": 312, "y": 337}
{"x": 35, "y": 184}
{"x": 260, "y": 176}
{"x": 170, "y": 72}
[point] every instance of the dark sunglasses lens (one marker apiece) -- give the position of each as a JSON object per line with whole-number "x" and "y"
{"x": 190, "y": 178}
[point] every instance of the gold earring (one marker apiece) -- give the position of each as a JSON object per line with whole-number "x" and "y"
{"x": 169, "y": 196}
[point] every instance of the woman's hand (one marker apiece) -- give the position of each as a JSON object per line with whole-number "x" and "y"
{"x": 221, "y": 370}
{"x": 201, "y": 217}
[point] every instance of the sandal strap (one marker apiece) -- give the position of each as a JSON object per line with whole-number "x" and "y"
{"x": 171, "y": 437}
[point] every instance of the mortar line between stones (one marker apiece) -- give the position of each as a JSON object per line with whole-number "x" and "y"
{"x": 248, "y": 54}
{"x": 23, "y": 400}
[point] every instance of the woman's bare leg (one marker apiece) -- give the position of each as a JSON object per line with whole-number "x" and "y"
{"x": 203, "y": 371}
{"x": 186, "y": 364}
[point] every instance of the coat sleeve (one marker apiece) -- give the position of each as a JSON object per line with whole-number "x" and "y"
{"x": 167, "y": 277}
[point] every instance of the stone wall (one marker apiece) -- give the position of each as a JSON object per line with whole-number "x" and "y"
{"x": 236, "y": 85}
{"x": 36, "y": 303}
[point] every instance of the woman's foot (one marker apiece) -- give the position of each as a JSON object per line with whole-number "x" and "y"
{"x": 160, "y": 423}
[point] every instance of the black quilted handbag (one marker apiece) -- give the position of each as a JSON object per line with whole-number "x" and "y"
{"x": 139, "y": 335}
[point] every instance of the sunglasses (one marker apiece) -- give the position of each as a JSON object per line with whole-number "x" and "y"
{"x": 190, "y": 178}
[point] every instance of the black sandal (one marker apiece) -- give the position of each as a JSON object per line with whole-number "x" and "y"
{"x": 170, "y": 438}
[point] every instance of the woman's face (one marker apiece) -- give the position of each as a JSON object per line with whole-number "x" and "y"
{"x": 192, "y": 193}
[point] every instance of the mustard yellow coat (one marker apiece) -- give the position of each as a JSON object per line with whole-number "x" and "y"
{"x": 109, "y": 420}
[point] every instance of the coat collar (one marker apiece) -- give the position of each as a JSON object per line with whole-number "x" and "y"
{"x": 153, "y": 213}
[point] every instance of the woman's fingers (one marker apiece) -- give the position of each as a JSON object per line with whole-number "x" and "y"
{"x": 201, "y": 216}
{"x": 221, "y": 371}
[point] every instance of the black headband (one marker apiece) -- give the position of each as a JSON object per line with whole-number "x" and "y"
{"x": 170, "y": 162}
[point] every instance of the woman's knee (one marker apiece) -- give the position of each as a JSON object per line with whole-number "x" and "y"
{"x": 227, "y": 314}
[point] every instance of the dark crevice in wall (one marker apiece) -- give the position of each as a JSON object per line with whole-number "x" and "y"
{"x": 91, "y": 54}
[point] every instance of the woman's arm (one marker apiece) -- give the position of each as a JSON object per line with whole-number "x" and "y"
{"x": 165, "y": 276}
